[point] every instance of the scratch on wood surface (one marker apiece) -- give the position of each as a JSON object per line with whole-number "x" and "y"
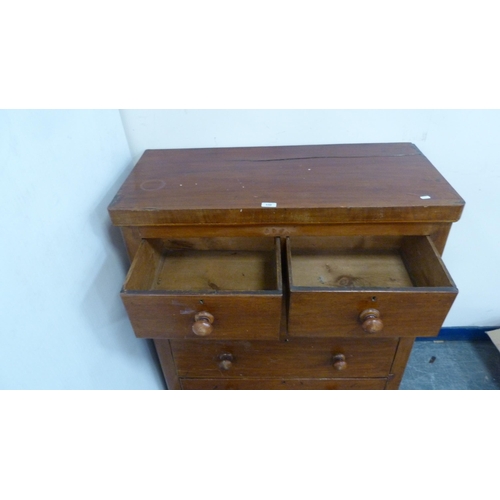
{"x": 320, "y": 158}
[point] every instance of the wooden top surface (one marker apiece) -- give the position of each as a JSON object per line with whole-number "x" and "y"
{"x": 307, "y": 184}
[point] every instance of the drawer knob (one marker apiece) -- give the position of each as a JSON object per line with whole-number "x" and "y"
{"x": 371, "y": 322}
{"x": 202, "y": 325}
{"x": 225, "y": 361}
{"x": 339, "y": 362}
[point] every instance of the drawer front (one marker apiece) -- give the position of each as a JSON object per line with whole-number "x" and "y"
{"x": 234, "y": 317}
{"x": 330, "y": 314}
{"x": 373, "y": 292}
{"x": 205, "y": 289}
{"x": 336, "y": 358}
{"x": 281, "y": 384}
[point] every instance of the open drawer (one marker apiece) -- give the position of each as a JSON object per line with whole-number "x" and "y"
{"x": 205, "y": 288}
{"x": 366, "y": 286}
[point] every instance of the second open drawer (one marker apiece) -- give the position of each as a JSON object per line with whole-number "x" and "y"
{"x": 366, "y": 286}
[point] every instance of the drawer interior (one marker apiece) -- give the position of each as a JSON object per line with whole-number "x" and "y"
{"x": 366, "y": 262}
{"x": 206, "y": 265}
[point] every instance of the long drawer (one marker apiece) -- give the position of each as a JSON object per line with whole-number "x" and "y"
{"x": 280, "y": 384}
{"x": 327, "y": 359}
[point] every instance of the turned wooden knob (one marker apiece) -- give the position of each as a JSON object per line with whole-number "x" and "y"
{"x": 202, "y": 325}
{"x": 371, "y": 322}
{"x": 339, "y": 362}
{"x": 225, "y": 361}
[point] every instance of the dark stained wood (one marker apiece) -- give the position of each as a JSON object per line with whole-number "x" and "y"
{"x": 370, "y": 321}
{"x": 363, "y": 384}
{"x": 439, "y": 236}
{"x": 193, "y": 219}
{"x": 294, "y": 359}
{"x": 400, "y": 360}
{"x": 334, "y": 310}
{"x": 203, "y": 324}
{"x": 339, "y": 362}
{"x": 322, "y": 313}
{"x": 169, "y": 315}
{"x": 162, "y": 308}
{"x": 308, "y": 184}
{"x": 167, "y": 364}
{"x": 324, "y": 230}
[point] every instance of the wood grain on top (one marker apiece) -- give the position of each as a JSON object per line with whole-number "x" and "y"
{"x": 307, "y": 184}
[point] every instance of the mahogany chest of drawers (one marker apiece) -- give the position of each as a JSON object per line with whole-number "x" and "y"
{"x": 297, "y": 267}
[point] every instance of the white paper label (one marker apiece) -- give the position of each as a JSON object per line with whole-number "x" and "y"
{"x": 268, "y": 204}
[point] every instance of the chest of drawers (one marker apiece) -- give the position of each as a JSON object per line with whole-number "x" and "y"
{"x": 297, "y": 267}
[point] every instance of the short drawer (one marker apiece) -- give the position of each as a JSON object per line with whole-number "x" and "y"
{"x": 370, "y": 287}
{"x": 335, "y": 358}
{"x": 280, "y": 384}
{"x": 211, "y": 288}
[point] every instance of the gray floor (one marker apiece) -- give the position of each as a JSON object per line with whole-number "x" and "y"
{"x": 453, "y": 364}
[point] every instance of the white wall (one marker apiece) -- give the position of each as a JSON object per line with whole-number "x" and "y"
{"x": 463, "y": 145}
{"x": 62, "y": 324}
